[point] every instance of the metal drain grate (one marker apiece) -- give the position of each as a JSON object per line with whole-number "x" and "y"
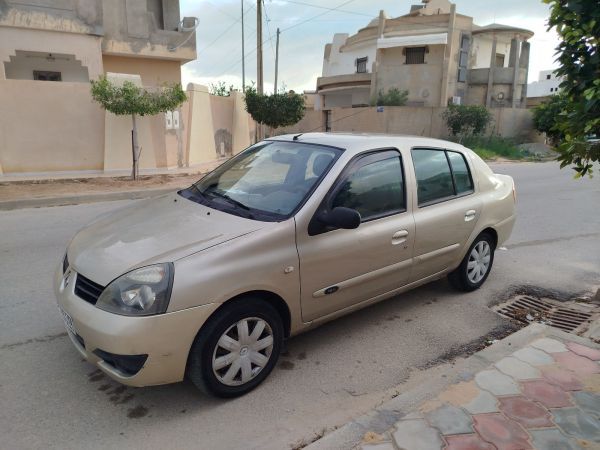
{"x": 572, "y": 317}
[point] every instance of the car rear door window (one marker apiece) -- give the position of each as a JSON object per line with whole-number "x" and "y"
{"x": 374, "y": 186}
{"x": 434, "y": 178}
{"x": 460, "y": 172}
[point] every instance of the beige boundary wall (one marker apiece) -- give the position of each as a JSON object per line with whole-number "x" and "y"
{"x": 56, "y": 127}
{"x": 419, "y": 121}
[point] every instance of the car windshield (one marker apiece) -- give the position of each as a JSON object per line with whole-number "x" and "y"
{"x": 268, "y": 181}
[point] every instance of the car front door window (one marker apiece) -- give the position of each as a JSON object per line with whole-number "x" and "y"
{"x": 374, "y": 186}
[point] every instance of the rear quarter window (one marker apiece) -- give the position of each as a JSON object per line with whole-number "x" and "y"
{"x": 441, "y": 175}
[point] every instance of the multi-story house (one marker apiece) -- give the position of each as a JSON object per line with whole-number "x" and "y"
{"x": 437, "y": 55}
{"x": 50, "y": 50}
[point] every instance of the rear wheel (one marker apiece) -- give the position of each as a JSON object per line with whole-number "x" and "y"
{"x": 476, "y": 265}
{"x": 237, "y": 349}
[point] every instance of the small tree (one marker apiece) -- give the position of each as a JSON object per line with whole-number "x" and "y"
{"x": 546, "y": 118}
{"x": 220, "y": 89}
{"x": 393, "y": 97}
{"x": 131, "y": 100}
{"x": 577, "y": 23}
{"x": 276, "y": 110}
{"x": 464, "y": 121}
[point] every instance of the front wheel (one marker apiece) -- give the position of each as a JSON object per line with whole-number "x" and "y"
{"x": 476, "y": 265}
{"x": 237, "y": 349}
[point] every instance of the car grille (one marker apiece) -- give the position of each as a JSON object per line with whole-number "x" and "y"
{"x": 87, "y": 289}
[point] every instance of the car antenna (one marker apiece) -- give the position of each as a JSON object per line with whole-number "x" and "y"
{"x": 297, "y": 136}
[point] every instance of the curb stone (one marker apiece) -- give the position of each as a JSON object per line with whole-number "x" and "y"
{"x": 430, "y": 383}
{"x": 9, "y": 205}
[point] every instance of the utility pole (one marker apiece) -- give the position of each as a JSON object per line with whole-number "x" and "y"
{"x": 276, "y": 61}
{"x": 259, "y": 59}
{"x": 243, "y": 53}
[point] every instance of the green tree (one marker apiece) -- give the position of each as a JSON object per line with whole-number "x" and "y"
{"x": 464, "y": 121}
{"x": 577, "y": 23}
{"x": 220, "y": 89}
{"x": 128, "y": 99}
{"x": 276, "y": 110}
{"x": 546, "y": 118}
{"x": 393, "y": 97}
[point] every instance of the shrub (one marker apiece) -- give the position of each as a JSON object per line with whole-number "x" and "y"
{"x": 546, "y": 118}
{"x": 393, "y": 97}
{"x": 490, "y": 147}
{"x": 276, "y": 110}
{"x": 464, "y": 121}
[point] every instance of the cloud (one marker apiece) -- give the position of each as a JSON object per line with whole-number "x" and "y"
{"x": 301, "y": 48}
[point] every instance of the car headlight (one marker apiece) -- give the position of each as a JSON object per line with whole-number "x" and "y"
{"x": 141, "y": 292}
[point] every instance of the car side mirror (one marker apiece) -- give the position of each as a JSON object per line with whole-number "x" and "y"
{"x": 341, "y": 217}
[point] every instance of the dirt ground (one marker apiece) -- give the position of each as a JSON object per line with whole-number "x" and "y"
{"x": 64, "y": 187}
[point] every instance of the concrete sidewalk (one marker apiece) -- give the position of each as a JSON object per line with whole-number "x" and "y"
{"x": 536, "y": 389}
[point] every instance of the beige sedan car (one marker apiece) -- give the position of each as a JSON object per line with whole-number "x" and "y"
{"x": 209, "y": 281}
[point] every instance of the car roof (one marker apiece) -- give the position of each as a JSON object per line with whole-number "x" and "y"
{"x": 358, "y": 142}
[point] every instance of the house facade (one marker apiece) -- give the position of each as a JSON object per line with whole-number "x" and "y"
{"x": 49, "y": 52}
{"x": 439, "y": 56}
{"x": 546, "y": 85}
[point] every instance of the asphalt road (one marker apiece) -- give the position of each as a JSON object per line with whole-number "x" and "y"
{"x": 50, "y": 398}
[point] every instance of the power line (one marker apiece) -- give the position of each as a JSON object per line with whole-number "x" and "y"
{"x": 330, "y": 9}
{"x": 238, "y": 20}
{"x": 318, "y": 15}
{"x": 268, "y": 27}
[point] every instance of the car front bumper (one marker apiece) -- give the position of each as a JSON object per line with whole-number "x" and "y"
{"x": 165, "y": 338}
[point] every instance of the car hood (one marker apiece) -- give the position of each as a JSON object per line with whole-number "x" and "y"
{"x": 161, "y": 229}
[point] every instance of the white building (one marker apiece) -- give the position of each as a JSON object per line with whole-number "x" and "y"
{"x": 547, "y": 84}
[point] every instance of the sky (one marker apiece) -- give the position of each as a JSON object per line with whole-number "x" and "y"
{"x": 307, "y": 25}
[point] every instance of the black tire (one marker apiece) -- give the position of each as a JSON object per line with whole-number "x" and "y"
{"x": 459, "y": 278}
{"x": 200, "y": 360}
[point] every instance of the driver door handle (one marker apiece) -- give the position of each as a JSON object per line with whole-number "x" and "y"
{"x": 399, "y": 237}
{"x": 470, "y": 215}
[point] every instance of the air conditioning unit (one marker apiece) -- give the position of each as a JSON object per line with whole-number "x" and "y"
{"x": 456, "y": 100}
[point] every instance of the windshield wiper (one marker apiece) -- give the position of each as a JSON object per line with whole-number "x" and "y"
{"x": 233, "y": 201}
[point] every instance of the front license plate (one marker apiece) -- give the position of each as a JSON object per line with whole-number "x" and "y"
{"x": 68, "y": 321}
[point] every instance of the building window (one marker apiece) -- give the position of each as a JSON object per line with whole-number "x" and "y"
{"x": 44, "y": 75}
{"x": 415, "y": 55}
{"x": 548, "y": 77}
{"x": 463, "y": 58}
{"x": 361, "y": 65}
{"x": 499, "y": 60}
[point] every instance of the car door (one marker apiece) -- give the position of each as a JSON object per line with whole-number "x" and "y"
{"x": 446, "y": 209}
{"x": 339, "y": 267}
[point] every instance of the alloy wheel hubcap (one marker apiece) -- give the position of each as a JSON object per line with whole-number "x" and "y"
{"x": 242, "y": 351}
{"x": 479, "y": 262}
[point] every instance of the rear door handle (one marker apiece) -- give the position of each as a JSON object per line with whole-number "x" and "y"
{"x": 470, "y": 215}
{"x": 399, "y": 237}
